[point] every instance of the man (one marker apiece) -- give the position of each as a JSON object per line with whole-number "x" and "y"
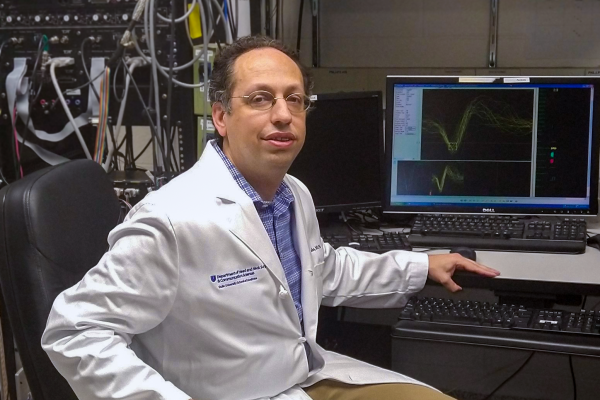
{"x": 211, "y": 287}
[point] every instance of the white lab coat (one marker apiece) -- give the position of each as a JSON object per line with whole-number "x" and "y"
{"x": 191, "y": 300}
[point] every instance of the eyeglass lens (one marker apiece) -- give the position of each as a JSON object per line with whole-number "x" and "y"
{"x": 263, "y": 100}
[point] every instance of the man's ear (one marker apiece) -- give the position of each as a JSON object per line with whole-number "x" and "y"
{"x": 218, "y": 116}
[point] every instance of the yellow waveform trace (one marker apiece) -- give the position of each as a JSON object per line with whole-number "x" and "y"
{"x": 504, "y": 119}
{"x": 451, "y": 173}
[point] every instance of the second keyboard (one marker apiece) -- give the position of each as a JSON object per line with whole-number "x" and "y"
{"x": 501, "y": 232}
{"x": 372, "y": 243}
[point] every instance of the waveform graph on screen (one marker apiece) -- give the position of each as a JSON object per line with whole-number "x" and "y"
{"x": 463, "y": 178}
{"x": 477, "y": 124}
{"x": 452, "y": 173}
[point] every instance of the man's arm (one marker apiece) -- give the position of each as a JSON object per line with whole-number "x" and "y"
{"x": 356, "y": 278}
{"x": 129, "y": 292}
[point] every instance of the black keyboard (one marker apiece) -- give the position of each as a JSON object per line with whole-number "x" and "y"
{"x": 373, "y": 243}
{"x": 500, "y": 324}
{"x": 501, "y": 232}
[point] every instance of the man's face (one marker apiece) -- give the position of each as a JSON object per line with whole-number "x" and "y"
{"x": 260, "y": 143}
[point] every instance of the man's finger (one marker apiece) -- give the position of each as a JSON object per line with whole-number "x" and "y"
{"x": 472, "y": 266}
{"x": 451, "y": 285}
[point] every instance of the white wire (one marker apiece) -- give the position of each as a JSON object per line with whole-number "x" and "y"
{"x": 145, "y": 57}
{"x": 152, "y": 50}
{"x": 66, "y": 108}
{"x": 187, "y": 31}
{"x": 163, "y": 69}
{"x": 182, "y": 18}
{"x": 228, "y": 33}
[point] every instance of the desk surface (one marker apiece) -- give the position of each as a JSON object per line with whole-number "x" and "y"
{"x": 540, "y": 272}
{"x": 573, "y": 268}
{"x": 537, "y": 272}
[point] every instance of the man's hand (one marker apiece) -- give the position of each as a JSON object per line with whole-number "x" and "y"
{"x": 442, "y": 267}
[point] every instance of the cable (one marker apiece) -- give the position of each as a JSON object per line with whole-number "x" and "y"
{"x": 17, "y": 142}
{"x": 115, "y": 160}
{"x": 78, "y": 87}
{"x": 227, "y": 24}
{"x": 573, "y": 377}
{"x": 228, "y": 33}
{"x": 4, "y": 43}
{"x": 40, "y": 52}
{"x": 170, "y": 93}
{"x": 489, "y": 396}
{"x": 189, "y": 35}
{"x": 174, "y": 160}
{"x": 134, "y": 63}
{"x": 299, "y": 38}
{"x": 180, "y": 19}
{"x": 348, "y": 223}
{"x": 64, "y": 61}
{"x": 234, "y": 20}
{"x": 85, "y": 68}
{"x": 129, "y": 161}
{"x": 277, "y": 20}
{"x": 143, "y": 150}
{"x": 150, "y": 122}
{"x": 140, "y": 7}
{"x": 3, "y": 178}
{"x": 129, "y": 206}
{"x": 114, "y": 85}
{"x": 161, "y": 68}
{"x": 149, "y": 21}
{"x": 102, "y": 118}
{"x": 205, "y": 73}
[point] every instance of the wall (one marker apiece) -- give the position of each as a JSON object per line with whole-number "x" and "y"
{"x": 362, "y": 42}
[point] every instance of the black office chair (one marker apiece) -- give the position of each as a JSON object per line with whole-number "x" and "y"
{"x": 53, "y": 229}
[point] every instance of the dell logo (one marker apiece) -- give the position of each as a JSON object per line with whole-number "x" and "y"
{"x": 488, "y": 210}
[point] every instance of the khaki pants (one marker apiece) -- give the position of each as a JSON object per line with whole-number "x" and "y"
{"x": 333, "y": 390}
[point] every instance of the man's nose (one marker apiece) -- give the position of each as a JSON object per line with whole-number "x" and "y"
{"x": 280, "y": 112}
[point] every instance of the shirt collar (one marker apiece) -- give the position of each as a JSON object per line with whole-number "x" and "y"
{"x": 283, "y": 194}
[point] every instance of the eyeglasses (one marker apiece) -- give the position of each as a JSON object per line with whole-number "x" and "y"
{"x": 263, "y": 101}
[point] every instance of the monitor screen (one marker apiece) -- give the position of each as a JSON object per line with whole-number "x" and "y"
{"x": 341, "y": 159}
{"x": 507, "y": 145}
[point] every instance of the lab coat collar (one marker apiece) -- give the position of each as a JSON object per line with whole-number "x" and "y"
{"x": 242, "y": 217}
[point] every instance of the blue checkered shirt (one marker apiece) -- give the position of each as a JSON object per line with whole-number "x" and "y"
{"x": 277, "y": 218}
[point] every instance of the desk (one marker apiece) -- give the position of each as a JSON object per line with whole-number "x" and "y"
{"x": 556, "y": 278}
{"x": 479, "y": 369}
{"x": 564, "y": 274}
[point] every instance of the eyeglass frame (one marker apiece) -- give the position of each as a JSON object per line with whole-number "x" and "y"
{"x": 304, "y": 96}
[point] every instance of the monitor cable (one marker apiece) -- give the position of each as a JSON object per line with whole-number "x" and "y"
{"x": 489, "y": 396}
{"x": 573, "y": 377}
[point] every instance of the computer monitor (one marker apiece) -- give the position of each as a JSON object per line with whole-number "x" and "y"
{"x": 341, "y": 159}
{"x": 497, "y": 145}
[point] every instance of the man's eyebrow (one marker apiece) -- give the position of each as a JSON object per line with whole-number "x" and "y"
{"x": 262, "y": 86}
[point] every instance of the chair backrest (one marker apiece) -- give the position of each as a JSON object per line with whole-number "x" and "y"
{"x": 53, "y": 228}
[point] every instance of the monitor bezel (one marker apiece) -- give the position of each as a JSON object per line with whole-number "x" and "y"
{"x": 337, "y": 208}
{"x": 390, "y": 210}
